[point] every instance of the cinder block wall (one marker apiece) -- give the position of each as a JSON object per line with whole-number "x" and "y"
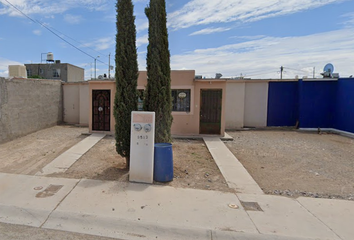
{"x": 28, "y": 105}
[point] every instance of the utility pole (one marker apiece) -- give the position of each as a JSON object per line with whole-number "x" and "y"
{"x": 281, "y": 72}
{"x": 109, "y": 66}
{"x": 95, "y": 65}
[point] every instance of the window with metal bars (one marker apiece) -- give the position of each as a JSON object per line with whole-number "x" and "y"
{"x": 181, "y": 99}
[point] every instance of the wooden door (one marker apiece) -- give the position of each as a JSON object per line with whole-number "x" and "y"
{"x": 210, "y": 111}
{"x": 101, "y": 110}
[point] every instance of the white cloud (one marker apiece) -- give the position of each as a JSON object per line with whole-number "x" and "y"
{"x": 140, "y": 1}
{"x": 37, "y": 32}
{"x": 142, "y": 40}
{"x": 202, "y": 12}
{"x": 4, "y": 66}
{"x": 249, "y": 37}
{"x": 262, "y": 58}
{"x": 72, "y": 19}
{"x": 349, "y": 22}
{"x": 206, "y": 31}
{"x": 101, "y": 43}
{"x": 141, "y": 25}
{"x": 44, "y": 7}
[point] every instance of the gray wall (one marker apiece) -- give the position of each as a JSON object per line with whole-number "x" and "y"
{"x": 68, "y": 72}
{"x": 28, "y": 105}
{"x": 76, "y": 103}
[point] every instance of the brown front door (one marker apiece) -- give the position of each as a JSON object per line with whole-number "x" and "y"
{"x": 210, "y": 111}
{"x": 101, "y": 110}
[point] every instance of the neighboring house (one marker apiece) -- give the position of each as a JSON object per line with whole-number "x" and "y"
{"x": 58, "y": 71}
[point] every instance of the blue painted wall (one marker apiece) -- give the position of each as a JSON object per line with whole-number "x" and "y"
{"x": 283, "y": 108}
{"x": 317, "y": 103}
{"x": 345, "y": 105}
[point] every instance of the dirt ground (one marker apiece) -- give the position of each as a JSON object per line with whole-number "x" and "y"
{"x": 286, "y": 163}
{"x": 27, "y": 155}
{"x": 296, "y": 164}
{"x": 194, "y": 167}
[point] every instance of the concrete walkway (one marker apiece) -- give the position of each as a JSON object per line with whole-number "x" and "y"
{"x": 68, "y": 158}
{"x": 233, "y": 171}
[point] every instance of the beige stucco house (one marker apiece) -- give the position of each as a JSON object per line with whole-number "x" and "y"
{"x": 198, "y": 104}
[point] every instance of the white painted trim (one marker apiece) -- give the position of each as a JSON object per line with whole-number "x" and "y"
{"x": 319, "y": 79}
{"x": 340, "y": 132}
{"x": 344, "y": 133}
{"x": 316, "y": 129}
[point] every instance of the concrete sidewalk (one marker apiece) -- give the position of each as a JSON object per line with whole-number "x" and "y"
{"x": 136, "y": 211}
{"x": 64, "y": 161}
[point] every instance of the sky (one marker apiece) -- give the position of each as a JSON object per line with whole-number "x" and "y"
{"x": 237, "y": 38}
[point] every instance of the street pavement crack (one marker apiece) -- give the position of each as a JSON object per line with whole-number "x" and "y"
{"x": 59, "y": 203}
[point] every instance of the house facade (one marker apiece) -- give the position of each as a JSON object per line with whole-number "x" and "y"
{"x": 198, "y": 104}
{"x": 58, "y": 71}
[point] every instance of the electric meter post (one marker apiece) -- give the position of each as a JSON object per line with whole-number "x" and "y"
{"x": 142, "y": 147}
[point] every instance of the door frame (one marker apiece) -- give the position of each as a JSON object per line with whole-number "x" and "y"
{"x": 109, "y": 110}
{"x": 201, "y": 130}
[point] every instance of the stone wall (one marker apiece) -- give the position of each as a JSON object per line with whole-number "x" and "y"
{"x": 28, "y": 105}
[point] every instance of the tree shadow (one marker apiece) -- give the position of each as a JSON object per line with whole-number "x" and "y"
{"x": 113, "y": 174}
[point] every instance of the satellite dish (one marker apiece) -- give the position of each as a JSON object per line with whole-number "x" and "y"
{"x": 329, "y": 68}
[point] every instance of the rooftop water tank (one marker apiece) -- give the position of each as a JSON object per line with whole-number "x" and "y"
{"x": 50, "y": 57}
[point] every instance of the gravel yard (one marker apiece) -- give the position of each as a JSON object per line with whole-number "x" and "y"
{"x": 293, "y": 163}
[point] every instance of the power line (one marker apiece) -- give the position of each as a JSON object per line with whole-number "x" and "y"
{"x": 297, "y": 70}
{"x": 264, "y": 73}
{"x": 43, "y": 25}
{"x": 77, "y": 41}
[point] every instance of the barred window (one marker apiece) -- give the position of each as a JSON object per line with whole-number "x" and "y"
{"x": 140, "y": 100}
{"x": 181, "y": 99}
{"x": 56, "y": 73}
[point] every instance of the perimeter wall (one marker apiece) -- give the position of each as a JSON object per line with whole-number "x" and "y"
{"x": 28, "y": 105}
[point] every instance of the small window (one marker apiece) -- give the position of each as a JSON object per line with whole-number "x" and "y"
{"x": 56, "y": 73}
{"x": 140, "y": 100}
{"x": 181, "y": 99}
{"x": 29, "y": 72}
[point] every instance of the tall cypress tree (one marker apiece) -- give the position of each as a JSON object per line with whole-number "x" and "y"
{"x": 158, "y": 90}
{"x": 127, "y": 73}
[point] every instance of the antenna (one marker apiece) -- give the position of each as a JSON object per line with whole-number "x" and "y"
{"x": 281, "y": 72}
